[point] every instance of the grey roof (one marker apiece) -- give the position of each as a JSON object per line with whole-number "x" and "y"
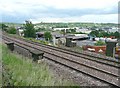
{"x": 75, "y": 37}
{"x": 39, "y": 32}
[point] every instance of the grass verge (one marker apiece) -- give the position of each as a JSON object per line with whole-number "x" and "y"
{"x": 20, "y": 71}
{"x": 0, "y": 66}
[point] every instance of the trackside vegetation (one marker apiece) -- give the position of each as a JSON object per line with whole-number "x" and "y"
{"x": 21, "y": 71}
{"x": 32, "y": 39}
{"x": 0, "y": 66}
{"x": 100, "y": 43}
{"x": 29, "y": 30}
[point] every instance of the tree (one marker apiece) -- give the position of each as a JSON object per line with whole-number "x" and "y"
{"x": 111, "y": 34}
{"x": 73, "y": 30}
{"x": 117, "y": 34}
{"x": 48, "y": 36}
{"x": 40, "y": 29}
{"x": 29, "y": 30}
{"x": 12, "y": 30}
{"x": 99, "y": 43}
{"x": 105, "y": 34}
{"x": 63, "y": 31}
{"x": 100, "y": 35}
{"x": 4, "y": 27}
{"x": 93, "y": 28}
{"x": 94, "y": 33}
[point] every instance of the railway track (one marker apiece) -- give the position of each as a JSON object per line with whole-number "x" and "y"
{"x": 95, "y": 58}
{"x": 107, "y": 73}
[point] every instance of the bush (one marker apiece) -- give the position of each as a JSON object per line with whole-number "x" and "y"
{"x": 99, "y": 43}
{"x": 29, "y": 30}
{"x": 48, "y": 36}
{"x": 12, "y": 30}
{"x": 4, "y": 27}
{"x": 39, "y": 41}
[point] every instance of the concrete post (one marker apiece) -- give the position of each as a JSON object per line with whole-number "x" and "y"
{"x": 118, "y": 41}
{"x": 36, "y": 54}
{"x": 110, "y": 48}
{"x": 10, "y": 45}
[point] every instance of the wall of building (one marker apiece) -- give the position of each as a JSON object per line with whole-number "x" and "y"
{"x": 103, "y": 48}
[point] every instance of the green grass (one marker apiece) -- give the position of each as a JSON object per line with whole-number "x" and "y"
{"x": 39, "y": 41}
{"x": 76, "y": 48}
{"x": 0, "y": 66}
{"x": 31, "y": 39}
{"x": 23, "y": 72}
{"x": 100, "y": 43}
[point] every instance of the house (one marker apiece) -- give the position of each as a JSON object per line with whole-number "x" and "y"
{"x": 20, "y": 31}
{"x": 59, "y": 29}
{"x": 40, "y": 35}
{"x": 110, "y": 29}
{"x": 75, "y": 39}
{"x": 78, "y": 36}
{"x": 58, "y": 38}
{"x": 114, "y": 29}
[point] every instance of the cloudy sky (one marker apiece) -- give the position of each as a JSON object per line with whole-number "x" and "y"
{"x": 100, "y": 11}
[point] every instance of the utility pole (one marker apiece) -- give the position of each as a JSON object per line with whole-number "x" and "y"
{"x": 119, "y": 33}
{"x": 119, "y": 23}
{"x": 118, "y": 41}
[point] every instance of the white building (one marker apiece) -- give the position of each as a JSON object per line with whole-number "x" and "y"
{"x": 83, "y": 30}
{"x": 105, "y": 39}
{"x": 59, "y": 29}
{"x": 20, "y": 31}
{"x": 56, "y": 36}
{"x": 81, "y": 35}
{"x": 114, "y": 29}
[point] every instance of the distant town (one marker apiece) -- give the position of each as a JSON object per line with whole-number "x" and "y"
{"x": 89, "y": 36}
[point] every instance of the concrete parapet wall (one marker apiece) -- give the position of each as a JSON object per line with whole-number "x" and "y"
{"x": 31, "y": 53}
{"x": 22, "y": 51}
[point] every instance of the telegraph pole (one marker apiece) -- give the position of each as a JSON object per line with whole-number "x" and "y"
{"x": 119, "y": 22}
{"x": 118, "y": 30}
{"x": 119, "y": 37}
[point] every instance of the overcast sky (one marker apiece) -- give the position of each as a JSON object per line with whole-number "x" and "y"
{"x": 100, "y": 11}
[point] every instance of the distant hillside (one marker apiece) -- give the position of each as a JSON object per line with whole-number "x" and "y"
{"x": 12, "y": 24}
{"x": 89, "y": 25}
{"x": 62, "y": 25}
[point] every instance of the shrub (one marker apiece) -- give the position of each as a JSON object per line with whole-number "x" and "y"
{"x": 12, "y": 30}
{"x": 29, "y": 30}
{"x": 99, "y": 43}
{"x": 48, "y": 36}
